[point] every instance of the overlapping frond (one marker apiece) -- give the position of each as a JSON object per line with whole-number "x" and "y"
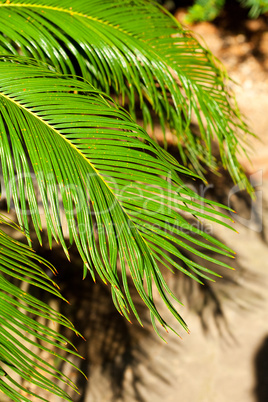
{"x": 135, "y": 50}
{"x": 22, "y": 335}
{"x": 120, "y": 192}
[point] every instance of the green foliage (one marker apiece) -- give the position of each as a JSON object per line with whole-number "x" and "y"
{"x": 105, "y": 167}
{"x": 204, "y": 10}
{"x": 161, "y": 67}
{"x": 23, "y": 337}
{"x": 257, "y": 7}
{"x": 72, "y": 156}
{"x": 208, "y": 10}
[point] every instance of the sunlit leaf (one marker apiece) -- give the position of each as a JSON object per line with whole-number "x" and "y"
{"x": 136, "y": 50}
{"x": 123, "y": 196}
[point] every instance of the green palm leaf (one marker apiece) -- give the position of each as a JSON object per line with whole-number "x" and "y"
{"x": 257, "y": 7}
{"x": 121, "y": 193}
{"x": 137, "y": 51}
{"x": 22, "y": 336}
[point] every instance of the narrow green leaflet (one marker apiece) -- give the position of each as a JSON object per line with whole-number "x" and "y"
{"x": 257, "y": 7}
{"x": 136, "y": 50}
{"x": 65, "y": 147}
{"x": 22, "y": 336}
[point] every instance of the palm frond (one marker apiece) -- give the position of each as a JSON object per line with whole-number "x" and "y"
{"x": 121, "y": 193}
{"x": 138, "y": 51}
{"x": 257, "y": 7}
{"x": 22, "y": 336}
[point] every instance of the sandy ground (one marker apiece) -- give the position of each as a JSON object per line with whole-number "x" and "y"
{"x": 245, "y": 55}
{"x": 208, "y": 367}
{"x": 212, "y": 368}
